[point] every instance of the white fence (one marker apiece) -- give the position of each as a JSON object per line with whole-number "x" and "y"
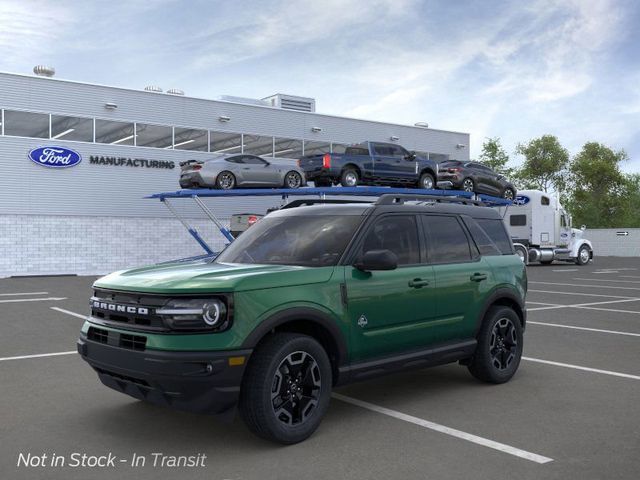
{"x": 615, "y": 242}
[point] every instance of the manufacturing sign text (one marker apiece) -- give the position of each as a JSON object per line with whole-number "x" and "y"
{"x": 55, "y": 157}
{"x": 130, "y": 162}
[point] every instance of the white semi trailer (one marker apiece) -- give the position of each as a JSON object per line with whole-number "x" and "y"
{"x": 541, "y": 231}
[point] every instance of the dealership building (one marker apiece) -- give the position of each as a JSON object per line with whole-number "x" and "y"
{"x": 92, "y": 218}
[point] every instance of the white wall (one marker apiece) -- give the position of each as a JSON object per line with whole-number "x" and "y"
{"x": 607, "y": 242}
{"x": 49, "y": 244}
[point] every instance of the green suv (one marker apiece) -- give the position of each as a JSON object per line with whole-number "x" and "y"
{"x": 310, "y": 298}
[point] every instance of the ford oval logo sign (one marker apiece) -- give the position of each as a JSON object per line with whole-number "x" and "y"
{"x": 521, "y": 200}
{"x": 55, "y": 157}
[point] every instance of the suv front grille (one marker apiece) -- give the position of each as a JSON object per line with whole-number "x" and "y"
{"x": 98, "y": 335}
{"x": 128, "y": 310}
{"x": 133, "y": 342}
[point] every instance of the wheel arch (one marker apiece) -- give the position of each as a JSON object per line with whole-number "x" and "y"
{"x": 354, "y": 167}
{"x": 430, "y": 171}
{"x": 503, "y": 297}
{"x": 307, "y": 321}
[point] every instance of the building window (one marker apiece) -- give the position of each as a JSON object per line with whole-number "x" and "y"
{"x": 157, "y": 136}
{"x": 71, "y": 128}
{"x": 287, "y": 148}
{"x": 222, "y": 142}
{"x": 316, "y": 148}
{"x": 115, "y": 133}
{"x": 438, "y": 157}
{"x": 190, "y": 139}
{"x": 257, "y": 145}
{"x": 26, "y": 124}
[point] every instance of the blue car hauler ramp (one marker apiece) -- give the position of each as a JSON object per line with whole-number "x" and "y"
{"x": 321, "y": 193}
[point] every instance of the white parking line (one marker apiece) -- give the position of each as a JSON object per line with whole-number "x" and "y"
{"x": 567, "y": 270}
{"x": 612, "y": 281}
{"x": 40, "y": 355}
{"x": 22, "y": 293}
{"x": 48, "y": 299}
{"x": 578, "y": 367}
{"x": 485, "y": 442}
{"x": 540, "y": 303}
{"x": 629, "y": 276}
{"x": 573, "y": 327}
{"x": 580, "y": 294}
{"x": 73, "y": 314}
{"x": 587, "y": 286}
{"x": 609, "y": 309}
{"x": 585, "y": 305}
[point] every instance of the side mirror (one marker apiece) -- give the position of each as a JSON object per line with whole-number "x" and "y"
{"x": 583, "y": 228}
{"x": 377, "y": 260}
{"x": 411, "y": 156}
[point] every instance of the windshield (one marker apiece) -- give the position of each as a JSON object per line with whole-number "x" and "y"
{"x": 310, "y": 241}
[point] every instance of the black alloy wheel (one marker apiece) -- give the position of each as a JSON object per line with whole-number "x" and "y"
{"x": 226, "y": 180}
{"x": 508, "y": 194}
{"x": 504, "y": 343}
{"x": 296, "y": 388}
{"x": 468, "y": 185}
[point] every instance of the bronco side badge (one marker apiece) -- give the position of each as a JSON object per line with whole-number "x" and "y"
{"x": 362, "y": 321}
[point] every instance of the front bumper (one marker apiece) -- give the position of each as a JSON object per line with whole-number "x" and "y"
{"x": 199, "y": 382}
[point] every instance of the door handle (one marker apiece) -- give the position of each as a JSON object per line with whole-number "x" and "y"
{"x": 478, "y": 277}
{"x": 418, "y": 283}
{"x": 246, "y": 168}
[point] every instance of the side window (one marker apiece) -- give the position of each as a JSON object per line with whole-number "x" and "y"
{"x": 545, "y": 201}
{"x": 494, "y": 228}
{"x": 382, "y": 149}
{"x": 398, "y": 151}
{"x": 448, "y": 241}
{"x": 563, "y": 221}
{"x": 485, "y": 245}
{"x": 518, "y": 220}
{"x": 398, "y": 233}
{"x": 253, "y": 160}
{"x": 238, "y": 159}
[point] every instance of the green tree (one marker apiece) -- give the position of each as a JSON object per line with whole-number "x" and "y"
{"x": 598, "y": 191}
{"x": 545, "y": 164}
{"x": 495, "y": 157}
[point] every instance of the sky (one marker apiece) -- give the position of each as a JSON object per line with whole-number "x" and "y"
{"x": 509, "y": 69}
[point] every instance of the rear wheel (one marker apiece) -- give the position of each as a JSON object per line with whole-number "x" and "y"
{"x": 584, "y": 255}
{"x": 349, "y": 178}
{"x": 508, "y": 194}
{"x": 468, "y": 185}
{"x": 522, "y": 252}
{"x": 286, "y": 389}
{"x": 225, "y": 180}
{"x": 499, "y": 347}
{"x": 293, "y": 179}
{"x": 426, "y": 181}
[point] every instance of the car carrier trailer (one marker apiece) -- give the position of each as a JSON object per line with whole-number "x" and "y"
{"x": 320, "y": 193}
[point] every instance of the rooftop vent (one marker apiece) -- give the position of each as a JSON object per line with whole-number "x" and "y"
{"x": 44, "y": 71}
{"x": 175, "y": 91}
{"x": 244, "y": 100}
{"x": 291, "y": 102}
{"x": 153, "y": 88}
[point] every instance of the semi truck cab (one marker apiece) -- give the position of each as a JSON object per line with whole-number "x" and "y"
{"x": 541, "y": 230}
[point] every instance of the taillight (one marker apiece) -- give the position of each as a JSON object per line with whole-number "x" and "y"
{"x": 196, "y": 167}
{"x": 251, "y": 220}
{"x": 454, "y": 170}
{"x": 326, "y": 161}
{"x": 298, "y": 162}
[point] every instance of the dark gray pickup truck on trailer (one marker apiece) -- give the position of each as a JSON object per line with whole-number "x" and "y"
{"x": 371, "y": 163}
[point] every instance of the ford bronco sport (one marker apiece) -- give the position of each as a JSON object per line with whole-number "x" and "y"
{"x": 310, "y": 298}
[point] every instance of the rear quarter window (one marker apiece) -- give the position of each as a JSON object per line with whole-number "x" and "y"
{"x": 496, "y": 231}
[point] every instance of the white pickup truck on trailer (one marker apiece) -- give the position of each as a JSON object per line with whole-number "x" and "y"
{"x": 541, "y": 231}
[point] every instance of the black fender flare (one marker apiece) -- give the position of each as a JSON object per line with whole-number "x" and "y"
{"x": 497, "y": 295}
{"x": 307, "y": 314}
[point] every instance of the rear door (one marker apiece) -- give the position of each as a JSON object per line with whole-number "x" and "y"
{"x": 391, "y": 160}
{"x": 391, "y": 311}
{"x": 462, "y": 277}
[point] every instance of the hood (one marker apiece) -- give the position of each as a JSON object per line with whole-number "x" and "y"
{"x": 201, "y": 277}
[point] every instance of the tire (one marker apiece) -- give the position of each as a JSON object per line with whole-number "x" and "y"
{"x": 267, "y": 370}
{"x": 426, "y": 182}
{"x": 468, "y": 185}
{"x": 522, "y": 252}
{"x": 349, "y": 178}
{"x": 292, "y": 180}
{"x": 499, "y": 347}
{"x": 509, "y": 194}
{"x": 584, "y": 255}
{"x": 225, "y": 180}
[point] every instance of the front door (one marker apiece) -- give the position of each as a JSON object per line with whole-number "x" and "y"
{"x": 391, "y": 311}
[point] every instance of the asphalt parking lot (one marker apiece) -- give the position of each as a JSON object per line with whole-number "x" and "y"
{"x": 571, "y": 411}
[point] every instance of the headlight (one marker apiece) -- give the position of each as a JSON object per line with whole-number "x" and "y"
{"x": 195, "y": 314}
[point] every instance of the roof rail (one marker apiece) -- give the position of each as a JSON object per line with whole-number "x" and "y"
{"x": 390, "y": 199}
{"x": 320, "y": 201}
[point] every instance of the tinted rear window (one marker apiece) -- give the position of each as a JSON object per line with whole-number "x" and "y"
{"x": 357, "y": 151}
{"x": 494, "y": 228}
{"x": 447, "y": 240}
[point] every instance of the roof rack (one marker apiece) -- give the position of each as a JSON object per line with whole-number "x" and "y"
{"x": 320, "y": 201}
{"x": 390, "y": 199}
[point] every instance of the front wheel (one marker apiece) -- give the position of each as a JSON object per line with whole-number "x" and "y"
{"x": 508, "y": 194}
{"x": 286, "y": 389}
{"x": 584, "y": 255}
{"x": 225, "y": 180}
{"x": 522, "y": 253}
{"x": 426, "y": 181}
{"x": 468, "y": 185}
{"x": 499, "y": 347}
{"x": 293, "y": 180}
